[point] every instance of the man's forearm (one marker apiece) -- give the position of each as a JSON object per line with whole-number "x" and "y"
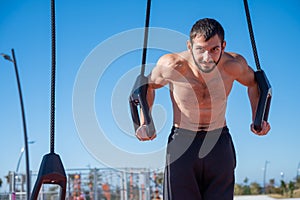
{"x": 150, "y": 100}
{"x": 253, "y": 93}
{"x": 150, "y": 97}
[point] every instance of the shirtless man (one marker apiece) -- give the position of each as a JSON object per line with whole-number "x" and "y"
{"x": 200, "y": 80}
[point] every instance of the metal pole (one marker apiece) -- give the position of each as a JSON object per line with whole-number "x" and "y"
{"x": 19, "y": 161}
{"x": 24, "y": 125}
{"x": 125, "y": 184}
{"x": 21, "y": 155}
{"x": 298, "y": 168}
{"x": 13, "y": 185}
{"x": 265, "y": 173}
{"x": 14, "y": 61}
{"x": 95, "y": 184}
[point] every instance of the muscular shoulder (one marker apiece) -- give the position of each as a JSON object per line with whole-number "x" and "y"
{"x": 169, "y": 67}
{"x": 237, "y": 67}
{"x": 234, "y": 64}
{"x": 169, "y": 62}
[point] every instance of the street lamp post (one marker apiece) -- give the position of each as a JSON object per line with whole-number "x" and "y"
{"x": 14, "y": 61}
{"x": 19, "y": 160}
{"x": 21, "y": 155}
{"x": 298, "y": 170}
{"x": 282, "y": 176}
{"x": 265, "y": 174}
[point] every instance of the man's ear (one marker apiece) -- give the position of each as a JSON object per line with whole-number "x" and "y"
{"x": 189, "y": 45}
{"x": 223, "y": 45}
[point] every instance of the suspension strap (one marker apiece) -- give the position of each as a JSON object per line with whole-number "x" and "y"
{"x": 252, "y": 35}
{"x": 146, "y": 31}
{"x": 53, "y": 48}
{"x": 51, "y": 170}
{"x": 265, "y": 90}
{"x": 138, "y": 95}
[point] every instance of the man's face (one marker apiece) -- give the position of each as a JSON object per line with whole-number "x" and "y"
{"x": 206, "y": 54}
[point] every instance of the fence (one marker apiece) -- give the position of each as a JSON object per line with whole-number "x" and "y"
{"x": 94, "y": 184}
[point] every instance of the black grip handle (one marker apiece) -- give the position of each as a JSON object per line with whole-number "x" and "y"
{"x": 138, "y": 98}
{"x": 265, "y": 92}
{"x": 51, "y": 172}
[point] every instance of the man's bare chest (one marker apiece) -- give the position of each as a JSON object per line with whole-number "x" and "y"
{"x": 194, "y": 91}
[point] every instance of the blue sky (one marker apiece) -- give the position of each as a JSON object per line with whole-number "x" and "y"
{"x": 84, "y": 27}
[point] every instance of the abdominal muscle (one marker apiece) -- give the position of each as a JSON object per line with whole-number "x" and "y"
{"x": 198, "y": 106}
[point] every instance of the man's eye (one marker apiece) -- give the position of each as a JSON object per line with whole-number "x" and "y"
{"x": 216, "y": 49}
{"x": 200, "y": 50}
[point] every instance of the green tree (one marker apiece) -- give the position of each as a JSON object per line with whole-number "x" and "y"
{"x": 255, "y": 188}
{"x": 246, "y": 180}
{"x": 291, "y": 188}
{"x": 238, "y": 189}
{"x": 246, "y": 188}
{"x": 283, "y": 187}
{"x": 270, "y": 188}
{"x": 272, "y": 182}
{"x": 1, "y": 182}
{"x": 297, "y": 182}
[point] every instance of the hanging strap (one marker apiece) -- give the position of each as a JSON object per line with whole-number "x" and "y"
{"x": 255, "y": 54}
{"x": 146, "y": 31}
{"x": 265, "y": 90}
{"x": 53, "y": 48}
{"x": 51, "y": 170}
{"x": 138, "y": 95}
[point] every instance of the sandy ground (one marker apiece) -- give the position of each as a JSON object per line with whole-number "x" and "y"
{"x": 260, "y": 197}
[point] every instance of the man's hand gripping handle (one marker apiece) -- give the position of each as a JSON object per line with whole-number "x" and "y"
{"x": 142, "y": 121}
{"x": 263, "y": 107}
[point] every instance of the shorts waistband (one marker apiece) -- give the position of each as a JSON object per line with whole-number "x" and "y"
{"x": 224, "y": 128}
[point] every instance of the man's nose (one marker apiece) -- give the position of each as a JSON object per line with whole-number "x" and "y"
{"x": 206, "y": 56}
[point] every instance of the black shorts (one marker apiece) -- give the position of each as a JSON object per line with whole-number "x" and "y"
{"x": 200, "y": 165}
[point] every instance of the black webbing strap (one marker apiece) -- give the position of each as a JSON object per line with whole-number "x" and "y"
{"x": 146, "y": 31}
{"x": 251, "y": 35}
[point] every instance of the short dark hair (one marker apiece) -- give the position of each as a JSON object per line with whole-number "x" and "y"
{"x": 208, "y": 28}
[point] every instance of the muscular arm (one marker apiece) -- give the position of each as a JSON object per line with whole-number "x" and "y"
{"x": 167, "y": 69}
{"x": 245, "y": 75}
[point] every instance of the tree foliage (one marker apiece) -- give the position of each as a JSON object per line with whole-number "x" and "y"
{"x": 284, "y": 189}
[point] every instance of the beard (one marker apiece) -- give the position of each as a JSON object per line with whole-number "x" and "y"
{"x": 206, "y": 67}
